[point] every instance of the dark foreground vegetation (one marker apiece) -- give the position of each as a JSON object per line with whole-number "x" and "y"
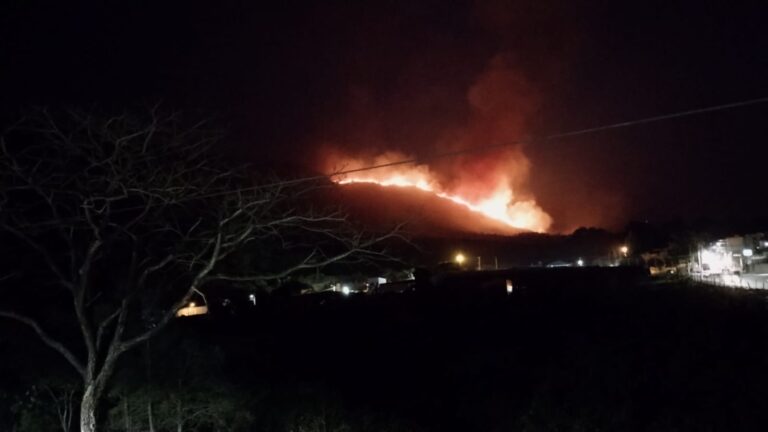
{"x": 569, "y": 353}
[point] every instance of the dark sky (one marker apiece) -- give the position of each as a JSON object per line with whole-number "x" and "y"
{"x": 287, "y": 76}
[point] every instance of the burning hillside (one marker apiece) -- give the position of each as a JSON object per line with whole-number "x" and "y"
{"x": 425, "y": 213}
{"x": 493, "y": 198}
{"x": 488, "y": 184}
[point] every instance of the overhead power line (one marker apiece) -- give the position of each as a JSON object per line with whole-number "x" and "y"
{"x": 550, "y": 137}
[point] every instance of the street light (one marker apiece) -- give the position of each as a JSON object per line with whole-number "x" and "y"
{"x": 624, "y": 250}
{"x": 460, "y": 258}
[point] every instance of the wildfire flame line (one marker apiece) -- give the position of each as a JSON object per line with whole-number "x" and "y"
{"x": 499, "y": 206}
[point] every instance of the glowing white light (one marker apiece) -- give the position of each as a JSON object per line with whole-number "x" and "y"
{"x": 747, "y": 252}
{"x": 714, "y": 261}
{"x": 510, "y": 287}
{"x": 580, "y": 262}
{"x": 460, "y": 258}
{"x": 345, "y": 290}
{"x": 192, "y": 304}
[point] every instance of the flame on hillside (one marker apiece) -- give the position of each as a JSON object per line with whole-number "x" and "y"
{"x": 496, "y": 201}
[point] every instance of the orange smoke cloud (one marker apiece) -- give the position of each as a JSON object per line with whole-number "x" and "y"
{"x": 490, "y": 183}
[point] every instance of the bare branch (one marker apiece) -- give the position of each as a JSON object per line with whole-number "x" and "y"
{"x": 360, "y": 248}
{"x": 149, "y": 270}
{"x": 43, "y": 253}
{"x": 197, "y": 283}
{"x": 104, "y": 324}
{"x": 47, "y": 339}
{"x": 79, "y": 297}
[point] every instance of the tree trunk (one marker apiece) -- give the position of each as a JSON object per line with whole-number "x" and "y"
{"x": 150, "y": 416}
{"x": 95, "y": 383}
{"x": 69, "y": 412}
{"x": 126, "y": 416}
{"x": 179, "y": 418}
{"x": 88, "y": 409}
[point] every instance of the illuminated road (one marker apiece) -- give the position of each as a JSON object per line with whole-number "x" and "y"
{"x": 746, "y": 280}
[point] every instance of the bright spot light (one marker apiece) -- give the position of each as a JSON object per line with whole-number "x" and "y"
{"x": 191, "y": 304}
{"x": 715, "y": 261}
{"x": 460, "y": 258}
{"x": 747, "y": 252}
{"x": 580, "y": 262}
{"x": 345, "y": 290}
{"x": 624, "y": 249}
{"x": 510, "y": 287}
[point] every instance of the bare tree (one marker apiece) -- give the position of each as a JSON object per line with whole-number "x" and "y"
{"x": 64, "y": 402}
{"x": 134, "y": 215}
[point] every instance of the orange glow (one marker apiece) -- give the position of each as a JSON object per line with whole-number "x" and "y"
{"x": 493, "y": 184}
{"x": 496, "y": 202}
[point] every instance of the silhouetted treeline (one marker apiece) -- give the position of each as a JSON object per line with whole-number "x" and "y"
{"x": 568, "y": 351}
{"x": 589, "y": 244}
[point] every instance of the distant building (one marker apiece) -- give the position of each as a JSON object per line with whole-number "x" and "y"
{"x": 560, "y": 264}
{"x": 192, "y": 309}
{"x": 396, "y": 287}
{"x": 737, "y": 254}
{"x": 659, "y": 262}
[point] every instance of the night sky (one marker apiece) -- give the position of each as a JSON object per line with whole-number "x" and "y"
{"x": 289, "y": 77}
